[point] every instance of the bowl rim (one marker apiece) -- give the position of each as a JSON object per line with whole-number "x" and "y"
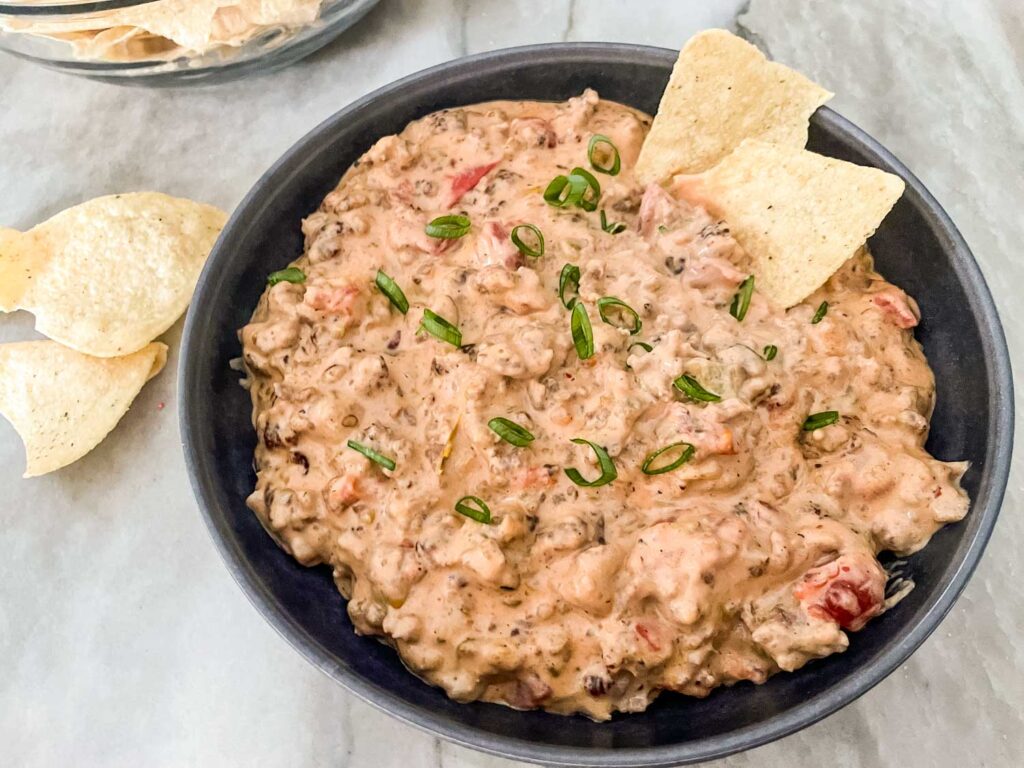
{"x": 747, "y": 737}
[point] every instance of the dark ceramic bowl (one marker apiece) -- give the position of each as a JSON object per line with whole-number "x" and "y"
{"x": 917, "y": 247}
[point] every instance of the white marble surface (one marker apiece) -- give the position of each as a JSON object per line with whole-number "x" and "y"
{"x": 124, "y": 640}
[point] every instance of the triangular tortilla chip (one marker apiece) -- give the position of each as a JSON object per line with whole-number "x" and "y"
{"x": 63, "y": 403}
{"x": 722, "y": 91}
{"x": 798, "y": 215}
{"x": 108, "y": 276}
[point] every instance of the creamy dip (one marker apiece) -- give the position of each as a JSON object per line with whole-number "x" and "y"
{"x": 756, "y": 555}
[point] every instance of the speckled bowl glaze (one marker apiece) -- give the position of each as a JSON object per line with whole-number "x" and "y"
{"x": 917, "y": 247}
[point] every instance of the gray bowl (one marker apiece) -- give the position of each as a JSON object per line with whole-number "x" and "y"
{"x": 917, "y": 247}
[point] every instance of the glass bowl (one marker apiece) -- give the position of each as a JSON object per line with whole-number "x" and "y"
{"x": 171, "y": 42}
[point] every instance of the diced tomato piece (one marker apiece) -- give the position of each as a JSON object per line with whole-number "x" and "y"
{"x": 896, "y": 308}
{"x": 849, "y": 590}
{"x": 496, "y": 249}
{"x": 648, "y": 636}
{"x": 342, "y": 492}
{"x": 534, "y": 477}
{"x": 465, "y": 180}
{"x": 335, "y": 300}
{"x": 657, "y": 207}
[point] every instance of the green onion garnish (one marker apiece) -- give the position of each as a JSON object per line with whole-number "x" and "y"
{"x": 568, "y": 190}
{"x": 595, "y": 148}
{"x": 741, "y": 301}
{"x": 608, "y": 472}
{"x": 612, "y": 229}
{"x": 372, "y": 455}
{"x": 685, "y": 454}
{"x": 390, "y": 289}
{"x": 770, "y": 352}
{"x": 820, "y": 313}
{"x": 474, "y": 508}
{"x": 449, "y": 227}
{"x": 290, "y": 275}
{"x": 643, "y": 345}
{"x": 608, "y": 306}
{"x": 569, "y": 279}
{"x": 690, "y": 387}
{"x": 582, "y": 332}
{"x": 511, "y": 432}
{"x": 533, "y": 252}
{"x": 563, "y": 191}
{"x": 440, "y": 328}
{"x": 819, "y": 420}
{"x": 587, "y": 203}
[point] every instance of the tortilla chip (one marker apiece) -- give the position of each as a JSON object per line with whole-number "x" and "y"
{"x": 189, "y": 23}
{"x": 120, "y": 44}
{"x": 239, "y": 22}
{"x": 108, "y": 276}
{"x": 166, "y": 27}
{"x": 13, "y": 270}
{"x": 722, "y": 91}
{"x": 798, "y": 215}
{"x": 63, "y": 403}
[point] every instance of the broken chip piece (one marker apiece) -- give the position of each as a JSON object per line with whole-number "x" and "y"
{"x": 108, "y": 276}
{"x": 63, "y": 403}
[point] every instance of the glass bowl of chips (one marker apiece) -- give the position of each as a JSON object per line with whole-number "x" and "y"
{"x": 171, "y": 42}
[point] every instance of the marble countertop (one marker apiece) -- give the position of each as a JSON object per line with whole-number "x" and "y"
{"x": 124, "y": 639}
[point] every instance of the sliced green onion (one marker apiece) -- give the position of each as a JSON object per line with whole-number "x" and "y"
{"x": 372, "y": 455}
{"x": 690, "y": 387}
{"x": 770, "y": 352}
{"x": 820, "y": 313}
{"x": 612, "y": 229}
{"x": 643, "y": 345}
{"x": 440, "y": 328}
{"x": 569, "y": 279}
{"x": 390, "y": 289}
{"x": 290, "y": 275}
{"x": 563, "y": 191}
{"x": 511, "y": 432}
{"x": 587, "y": 203}
{"x": 525, "y": 249}
{"x": 474, "y": 508}
{"x": 685, "y": 454}
{"x": 597, "y": 141}
{"x": 568, "y": 190}
{"x": 582, "y": 332}
{"x": 741, "y": 301}
{"x": 819, "y": 420}
{"x": 606, "y": 305}
{"x": 608, "y": 471}
{"x": 449, "y": 227}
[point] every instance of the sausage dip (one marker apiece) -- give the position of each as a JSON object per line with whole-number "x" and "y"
{"x": 427, "y": 456}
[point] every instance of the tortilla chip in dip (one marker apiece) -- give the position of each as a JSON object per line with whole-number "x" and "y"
{"x": 63, "y": 403}
{"x": 722, "y": 91}
{"x": 108, "y": 276}
{"x": 798, "y": 215}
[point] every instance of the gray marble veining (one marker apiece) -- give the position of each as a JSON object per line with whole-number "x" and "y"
{"x": 124, "y": 639}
